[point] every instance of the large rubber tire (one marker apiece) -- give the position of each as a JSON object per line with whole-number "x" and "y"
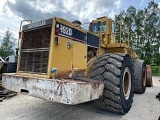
{"x": 140, "y": 76}
{"x": 116, "y": 70}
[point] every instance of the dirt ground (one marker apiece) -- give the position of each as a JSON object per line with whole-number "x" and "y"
{"x": 23, "y": 107}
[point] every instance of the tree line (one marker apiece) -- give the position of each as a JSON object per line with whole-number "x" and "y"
{"x": 144, "y": 28}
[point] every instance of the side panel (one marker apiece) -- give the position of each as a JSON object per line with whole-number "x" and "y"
{"x": 92, "y": 40}
{"x": 67, "y": 60}
{"x": 79, "y": 55}
{"x": 68, "y": 51}
{"x": 62, "y": 57}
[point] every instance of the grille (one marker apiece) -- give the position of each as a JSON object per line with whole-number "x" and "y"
{"x": 35, "y": 50}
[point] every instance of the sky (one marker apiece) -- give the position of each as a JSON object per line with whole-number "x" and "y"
{"x": 12, "y": 12}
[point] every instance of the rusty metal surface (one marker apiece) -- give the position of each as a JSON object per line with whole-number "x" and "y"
{"x": 149, "y": 82}
{"x": 35, "y": 62}
{"x": 66, "y": 91}
{"x": 35, "y": 50}
{"x": 38, "y": 38}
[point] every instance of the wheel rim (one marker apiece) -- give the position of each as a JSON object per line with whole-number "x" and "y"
{"x": 144, "y": 77}
{"x": 126, "y": 83}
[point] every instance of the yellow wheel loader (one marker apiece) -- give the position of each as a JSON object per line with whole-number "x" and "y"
{"x": 62, "y": 62}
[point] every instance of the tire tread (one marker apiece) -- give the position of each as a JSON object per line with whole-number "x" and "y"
{"x": 111, "y": 65}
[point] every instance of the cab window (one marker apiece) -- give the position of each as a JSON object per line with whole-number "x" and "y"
{"x": 99, "y": 26}
{"x": 96, "y": 28}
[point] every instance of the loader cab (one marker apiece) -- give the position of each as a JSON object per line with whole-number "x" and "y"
{"x": 114, "y": 35}
{"x": 104, "y": 28}
{"x": 102, "y": 25}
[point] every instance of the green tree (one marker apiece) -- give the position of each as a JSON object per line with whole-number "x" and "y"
{"x": 151, "y": 43}
{"x": 144, "y": 27}
{"x": 7, "y": 45}
{"x": 128, "y": 18}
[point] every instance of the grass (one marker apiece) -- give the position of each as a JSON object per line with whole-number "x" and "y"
{"x": 155, "y": 70}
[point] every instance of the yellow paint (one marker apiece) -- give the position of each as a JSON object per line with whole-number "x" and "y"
{"x": 31, "y": 74}
{"x": 133, "y": 55}
{"x": 51, "y": 50}
{"x": 117, "y": 50}
{"x": 90, "y": 65}
{"x": 108, "y": 44}
{"x": 19, "y": 51}
{"x": 105, "y": 36}
{"x": 116, "y": 45}
{"x": 61, "y": 57}
{"x": 79, "y": 55}
{"x": 67, "y": 60}
{"x": 101, "y": 51}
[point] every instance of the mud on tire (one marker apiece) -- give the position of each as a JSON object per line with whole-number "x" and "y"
{"x": 116, "y": 70}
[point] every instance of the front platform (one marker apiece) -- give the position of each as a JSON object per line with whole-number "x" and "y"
{"x": 66, "y": 91}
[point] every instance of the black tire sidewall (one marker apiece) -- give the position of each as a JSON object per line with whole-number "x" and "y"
{"x": 139, "y": 67}
{"x": 143, "y": 68}
{"x": 126, "y": 104}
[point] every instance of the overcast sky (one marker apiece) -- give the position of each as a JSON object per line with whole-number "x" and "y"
{"x": 12, "y": 12}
